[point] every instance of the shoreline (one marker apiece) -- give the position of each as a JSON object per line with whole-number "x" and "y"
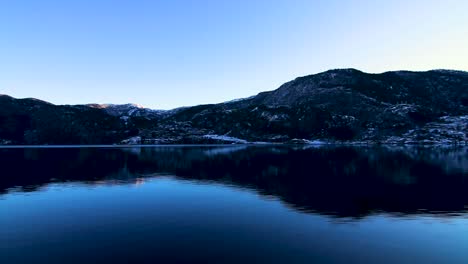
{"x": 265, "y": 144}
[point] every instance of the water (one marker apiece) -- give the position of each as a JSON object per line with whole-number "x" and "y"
{"x": 238, "y": 204}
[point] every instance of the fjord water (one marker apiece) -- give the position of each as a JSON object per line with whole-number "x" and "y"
{"x": 239, "y": 204}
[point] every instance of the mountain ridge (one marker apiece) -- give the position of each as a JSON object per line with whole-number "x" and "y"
{"x": 339, "y": 105}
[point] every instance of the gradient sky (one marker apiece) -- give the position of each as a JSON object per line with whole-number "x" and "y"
{"x": 165, "y": 54}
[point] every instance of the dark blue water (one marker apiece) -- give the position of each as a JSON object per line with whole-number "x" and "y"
{"x": 234, "y": 204}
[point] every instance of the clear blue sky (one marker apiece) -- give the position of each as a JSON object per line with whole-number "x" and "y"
{"x": 164, "y": 54}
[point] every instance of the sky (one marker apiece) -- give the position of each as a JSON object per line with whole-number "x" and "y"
{"x": 166, "y": 54}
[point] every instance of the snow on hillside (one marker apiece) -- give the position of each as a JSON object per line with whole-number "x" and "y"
{"x": 132, "y": 110}
{"x": 226, "y": 138}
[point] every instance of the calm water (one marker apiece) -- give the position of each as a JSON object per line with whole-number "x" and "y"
{"x": 234, "y": 204}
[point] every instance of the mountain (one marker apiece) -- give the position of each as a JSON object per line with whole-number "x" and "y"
{"x": 32, "y": 121}
{"x": 343, "y": 105}
{"x": 130, "y": 110}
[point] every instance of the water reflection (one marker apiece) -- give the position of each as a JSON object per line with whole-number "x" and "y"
{"x": 334, "y": 181}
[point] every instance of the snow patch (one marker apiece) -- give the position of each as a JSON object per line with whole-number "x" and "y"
{"x": 132, "y": 141}
{"x": 5, "y": 142}
{"x": 226, "y": 138}
{"x": 317, "y": 142}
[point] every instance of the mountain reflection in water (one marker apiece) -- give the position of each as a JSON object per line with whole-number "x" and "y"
{"x": 351, "y": 182}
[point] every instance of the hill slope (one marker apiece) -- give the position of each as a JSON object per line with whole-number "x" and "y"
{"x": 343, "y": 105}
{"x": 337, "y": 105}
